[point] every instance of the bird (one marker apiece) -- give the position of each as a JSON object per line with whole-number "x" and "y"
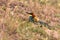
{"x": 33, "y": 18}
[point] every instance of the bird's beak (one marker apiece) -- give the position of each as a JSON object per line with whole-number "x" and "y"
{"x": 27, "y": 13}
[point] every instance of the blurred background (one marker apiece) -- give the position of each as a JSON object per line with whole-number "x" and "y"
{"x": 14, "y": 23}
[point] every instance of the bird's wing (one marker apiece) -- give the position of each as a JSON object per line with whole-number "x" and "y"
{"x": 36, "y": 19}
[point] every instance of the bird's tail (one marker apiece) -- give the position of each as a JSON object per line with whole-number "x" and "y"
{"x": 45, "y": 24}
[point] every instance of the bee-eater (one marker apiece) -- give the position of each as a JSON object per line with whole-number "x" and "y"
{"x": 33, "y": 18}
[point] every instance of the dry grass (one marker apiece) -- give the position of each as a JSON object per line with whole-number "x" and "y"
{"x": 14, "y": 24}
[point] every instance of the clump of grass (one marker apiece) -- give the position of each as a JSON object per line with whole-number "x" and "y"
{"x": 4, "y": 8}
{"x": 40, "y": 31}
{"x": 43, "y": 2}
{"x": 57, "y": 15}
{"x": 27, "y": 29}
